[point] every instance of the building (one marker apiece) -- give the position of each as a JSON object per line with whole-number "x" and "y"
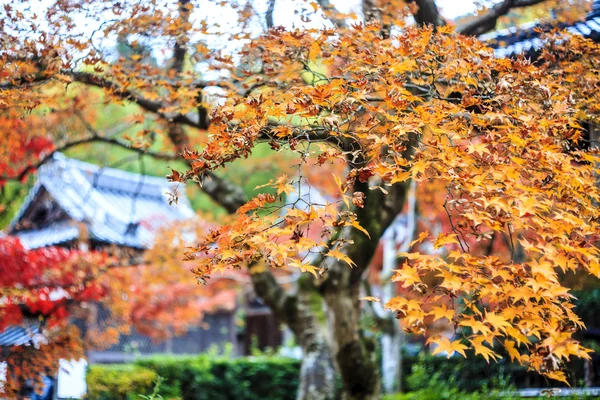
{"x": 109, "y": 206}
{"x": 79, "y": 205}
{"x": 526, "y": 39}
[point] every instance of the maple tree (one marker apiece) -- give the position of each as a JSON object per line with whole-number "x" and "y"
{"x": 42, "y": 282}
{"x": 365, "y": 104}
{"x": 44, "y": 290}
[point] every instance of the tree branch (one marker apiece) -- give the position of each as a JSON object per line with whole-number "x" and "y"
{"x": 125, "y": 94}
{"x": 427, "y": 13}
{"x": 487, "y": 22}
{"x": 227, "y": 194}
{"x": 284, "y": 306}
{"x": 93, "y": 139}
{"x": 269, "y": 14}
{"x": 332, "y": 13}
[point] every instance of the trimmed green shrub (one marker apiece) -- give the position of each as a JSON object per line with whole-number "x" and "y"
{"x": 119, "y": 382}
{"x": 434, "y": 394}
{"x": 173, "y": 369}
{"x": 473, "y": 374}
{"x": 200, "y": 378}
{"x": 252, "y": 378}
{"x": 425, "y": 384}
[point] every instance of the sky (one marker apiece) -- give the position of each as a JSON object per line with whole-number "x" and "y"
{"x": 282, "y": 16}
{"x": 456, "y": 8}
{"x": 450, "y": 8}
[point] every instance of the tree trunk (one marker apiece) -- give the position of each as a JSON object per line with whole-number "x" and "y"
{"x": 317, "y": 373}
{"x": 393, "y": 335}
{"x": 428, "y": 13}
{"x": 391, "y": 358}
{"x": 354, "y": 354}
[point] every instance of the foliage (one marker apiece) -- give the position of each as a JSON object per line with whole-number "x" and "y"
{"x": 475, "y": 375}
{"x": 500, "y": 154}
{"x": 366, "y": 104}
{"x": 119, "y": 382}
{"x": 176, "y": 372}
{"x": 207, "y": 378}
{"x": 425, "y": 377}
{"x": 444, "y": 392}
{"x": 57, "y": 284}
{"x": 155, "y": 395}
{"x": 29, "y": 282}
{"x": 430, "y": 377}
{"x": 32, "y": 276}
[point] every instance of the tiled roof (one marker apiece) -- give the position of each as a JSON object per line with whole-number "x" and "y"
{"x": 117, "y": 207}
{"x": 18, "y": 336}
{"x": 525, "y": 39}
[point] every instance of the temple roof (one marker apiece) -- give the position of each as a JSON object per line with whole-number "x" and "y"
{"x": 525, "y": 39}
{"x": 18, "y": 336}
{"x": 110, "y": 206}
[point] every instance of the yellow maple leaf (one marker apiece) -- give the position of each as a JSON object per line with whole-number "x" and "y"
{"x": 371, "y": 298}
{"x": 482, "y": 350}
{"x": 480, "y": 148}
{"x": 512, "y": 351}
{"x": 445, "y": 239}
{"x": 407, "y": 275}
{"x": 283, "y": 185}
{"x": 558, "y": 376}
{"x": 421, "y": 237}
{"x": 497, "y": 321}
{"x": 360, "y": 228}
{"x": 315, "y": 50}
{"x": 340, "y": 256}
{"x": 442, "y": 312}
{"x": 445, "y": 345}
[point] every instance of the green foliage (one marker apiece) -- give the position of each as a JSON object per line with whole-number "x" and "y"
{"x": 155, "y": 395}
{"x": 214, "y": 377}
{"x": 176, "y": 372}
{"x": 119, "y": 382}
{"x": 429, "y": 379}
{"x": 423, "y": 383}
{"x": 244, "y": 378}
{"x": 12, "y": 195}
{"x": 454, "y": 394}
{"x": 206, "y": 378}
{"x": 474, "y": 374}
{"x": 587, "y": 304}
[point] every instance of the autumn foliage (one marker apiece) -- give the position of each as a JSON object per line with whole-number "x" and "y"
{"x": 43, "y": 285}
{"x": 362, "y": 106}
{"x": 48, "y": 289}
{"x": 501, "y": 154}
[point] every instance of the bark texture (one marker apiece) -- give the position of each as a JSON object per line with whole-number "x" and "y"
{"x": 353, "y": 353}
{"x": 317, "y": 373}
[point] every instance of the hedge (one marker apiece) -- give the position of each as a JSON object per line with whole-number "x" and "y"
{"x": 474, "y": 374}
{"x": 444, "y": 394}
{"x": 201, "y": 378}
{"x": 253, "y": 378}
{"x": 119, "y": 382}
